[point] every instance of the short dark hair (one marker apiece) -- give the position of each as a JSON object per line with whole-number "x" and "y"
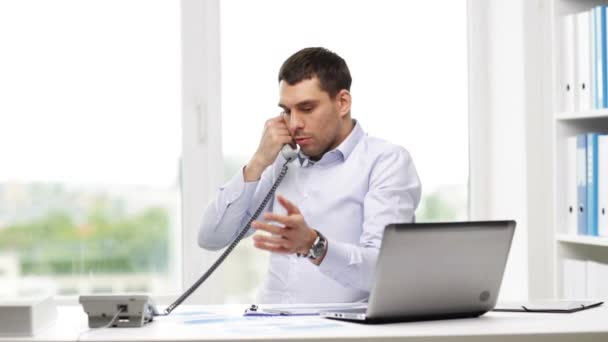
{"x": 327, "y": 66}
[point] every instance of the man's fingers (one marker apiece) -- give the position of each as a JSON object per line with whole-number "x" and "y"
{"x": 290, "y": 207}
{"x": 267, "y": 227}
{"x": 276, "y": 123}
{"x": 284, "y": 139}
{"x": 273, "y": 249}
{"x": 278, "y": 118}
{"x": 282, "y": 219}
{"x": 283, "y": 131}
{"x": 270, "y": 244}
{"x": 273, "y": 240}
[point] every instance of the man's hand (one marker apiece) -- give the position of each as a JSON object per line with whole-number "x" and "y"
{"x": 276, "y": 134}
{"x": 294, "y": 237}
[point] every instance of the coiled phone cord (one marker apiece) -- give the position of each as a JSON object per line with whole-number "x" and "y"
{"x": 232, "y": 245}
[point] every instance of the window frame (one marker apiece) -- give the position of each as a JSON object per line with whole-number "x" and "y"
{"x": 202, "y": 166}
{"x": 201, "y": 161}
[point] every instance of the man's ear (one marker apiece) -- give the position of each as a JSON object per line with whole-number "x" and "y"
{"x": 343, "y": 102}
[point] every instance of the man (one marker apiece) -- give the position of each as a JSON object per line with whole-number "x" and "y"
{"x": 327, "y": 221}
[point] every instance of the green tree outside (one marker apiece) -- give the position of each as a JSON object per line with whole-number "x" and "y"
{"x": 106, "y": 241}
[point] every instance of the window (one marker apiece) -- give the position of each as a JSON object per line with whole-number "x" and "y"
{"x": 90, "y": 145}
{"x": 408, "y": 61}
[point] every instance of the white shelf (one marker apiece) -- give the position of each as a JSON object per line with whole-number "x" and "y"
{"x": 583, "y": 240}
{"x": 570, "y": 252}
{"x": 585, "y": 115}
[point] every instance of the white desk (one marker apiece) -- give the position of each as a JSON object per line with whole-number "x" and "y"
{"x": 226, "y": 323}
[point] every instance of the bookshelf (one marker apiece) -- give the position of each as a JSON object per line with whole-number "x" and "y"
{"x": 582, "y": 240}
{"x": 582, "y": 115}
{"x": 568, "y": 248}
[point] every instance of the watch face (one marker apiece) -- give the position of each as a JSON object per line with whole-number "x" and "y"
{"x": 318, "y": 248}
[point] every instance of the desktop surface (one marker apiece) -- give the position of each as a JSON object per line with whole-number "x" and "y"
{"x": 227, "y": 323}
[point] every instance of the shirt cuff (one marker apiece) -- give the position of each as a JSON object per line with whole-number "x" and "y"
{"x": 237, "y": 188}
{"x": 338, "y": 258}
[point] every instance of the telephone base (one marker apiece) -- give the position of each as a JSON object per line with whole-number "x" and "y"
{"x": 135, "y": 310}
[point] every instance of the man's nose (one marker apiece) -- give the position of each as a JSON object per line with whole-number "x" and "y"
{"x": 295, "y": 121}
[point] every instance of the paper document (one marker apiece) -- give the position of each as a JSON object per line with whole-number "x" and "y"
{"x": 298, "y": 310}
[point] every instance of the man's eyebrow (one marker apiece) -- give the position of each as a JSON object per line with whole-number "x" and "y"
{"x": 300, "y": 104}
{"x": 307, "y": 103}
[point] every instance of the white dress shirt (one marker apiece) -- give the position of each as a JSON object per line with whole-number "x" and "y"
{"x": 349, "y": 195}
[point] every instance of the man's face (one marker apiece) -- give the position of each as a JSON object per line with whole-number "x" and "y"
{"x": 313, "y": 118}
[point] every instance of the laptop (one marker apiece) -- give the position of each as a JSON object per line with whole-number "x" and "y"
{"x": 429, "y": 271}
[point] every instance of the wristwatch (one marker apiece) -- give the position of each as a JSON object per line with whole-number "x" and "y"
{"x": 318, "y": 247}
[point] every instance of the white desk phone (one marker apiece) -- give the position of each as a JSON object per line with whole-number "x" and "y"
{"x": 135, "y": 310}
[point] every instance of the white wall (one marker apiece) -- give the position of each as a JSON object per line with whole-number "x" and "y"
{"x": 507, "y": 135}
{"x": 538, "y": 99}
{"x": 510, "y": 134}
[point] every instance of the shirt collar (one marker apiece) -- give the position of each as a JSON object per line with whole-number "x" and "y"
{"x": 343, "y": 150}
{"x": 348, "y": 145}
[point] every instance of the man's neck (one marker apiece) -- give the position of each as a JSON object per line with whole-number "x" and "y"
{"x": 346, "y": 130}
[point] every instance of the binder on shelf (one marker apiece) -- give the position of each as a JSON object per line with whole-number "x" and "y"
{"x": 599, "y": 56}
{"x": 592, "y": 193}
{"x": 602, "y": 186}
{"x": 604, "y": 57}
{"x": 583, "y": 60}
{"x": 568, "y": 83}
{"x": 571, "y": 203}
{"x": 581, "y": 183}
{"x": 592, "y": 49}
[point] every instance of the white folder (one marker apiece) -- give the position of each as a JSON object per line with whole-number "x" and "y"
{"x": 571, "y": 191}
{"x": 568, "y": 82}
{"x": 583, "y": 60}
{"x": 597, "y": 58}
{"x": 602, "y": 185}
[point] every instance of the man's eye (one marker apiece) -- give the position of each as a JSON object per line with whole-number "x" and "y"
{"x": 307, "y": 109}
{"x": 286, "y": 112}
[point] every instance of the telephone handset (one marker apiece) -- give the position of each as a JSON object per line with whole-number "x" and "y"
{"x": 135, "y": 311}
{"x": 288, "y": 152}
